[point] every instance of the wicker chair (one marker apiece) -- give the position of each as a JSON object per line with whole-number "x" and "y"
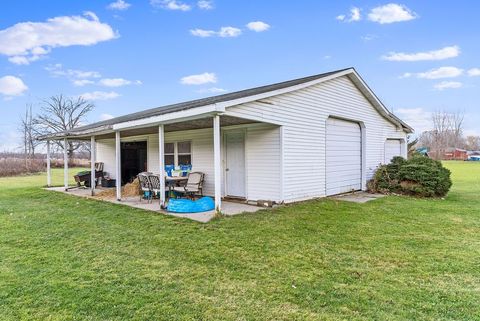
{"x": 145, "y": 185}
{"x": 194, "y": 185}
{"x": 154, "y": 186}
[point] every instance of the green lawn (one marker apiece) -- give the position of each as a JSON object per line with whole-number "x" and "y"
{"x": 396, "y": 258}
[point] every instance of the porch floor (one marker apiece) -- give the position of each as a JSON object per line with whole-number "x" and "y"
{"x": 228, "y": 208}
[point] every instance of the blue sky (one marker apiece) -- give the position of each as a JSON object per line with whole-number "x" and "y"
{"x": 131, "y": 55}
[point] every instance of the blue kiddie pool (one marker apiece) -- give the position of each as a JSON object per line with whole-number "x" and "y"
{"x": 182, "y": 205}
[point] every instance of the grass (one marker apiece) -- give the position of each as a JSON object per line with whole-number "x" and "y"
{"x": 396, "y": 258}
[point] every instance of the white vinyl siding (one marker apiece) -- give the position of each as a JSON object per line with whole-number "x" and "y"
{"x": 393, "y": 147}
{"x": 105, "y": 152}
{"x": 263, "y": 163}
{"x": 303, "y": 114}
{"x": 344, "y": 157}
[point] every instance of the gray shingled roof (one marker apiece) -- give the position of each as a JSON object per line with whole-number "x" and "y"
{"x": 201, "y": 102}
{"x": 107, "y": 124}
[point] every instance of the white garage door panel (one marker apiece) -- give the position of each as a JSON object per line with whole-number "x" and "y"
{"x": 393, "y": 147}
{"x": 344, "y": 156}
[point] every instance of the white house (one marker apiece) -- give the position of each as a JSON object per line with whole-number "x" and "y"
{"x": 296, "y": 140}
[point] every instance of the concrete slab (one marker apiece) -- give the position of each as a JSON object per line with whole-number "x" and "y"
{"x": 357, "y": 197}
{"x": 228, "y": 208}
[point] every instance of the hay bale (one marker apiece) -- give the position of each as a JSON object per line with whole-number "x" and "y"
{"x": 132, "y": 189}
{"x": 129, "y": 190}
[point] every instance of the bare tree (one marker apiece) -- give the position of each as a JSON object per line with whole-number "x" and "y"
{"x": 456, "y": 128}
{"x": 59, "y": 114}
{"x": 28, "y": 130}
{"x": 411, "y": 145}
{"x": 472, "y": 143}
{"x": 447, "y": 133}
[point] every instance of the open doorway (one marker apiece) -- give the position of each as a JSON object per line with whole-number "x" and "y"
{"x": 134, "y": 160}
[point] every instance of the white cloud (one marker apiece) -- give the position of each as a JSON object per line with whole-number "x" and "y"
{"x": 203, "y": 33}
{"x": 78, "y": 78}
{"x": 12, "y": 86}
{"x": 391, "y": 13}
{"x": 81, "y": 78}
{"x": 213, "y": 90}
{"x": 438, "y": 73}
{"x": 28, "y": 41}
{"x": 171, "y": 5}
{"x": 474, "y": 72}
{"x": 441, "y": 54}
{"x": 201, "y": 79}
{"x": 120, "y": 5}
{"x": 224, "y": 32}
{"x": 448, "y": 85}
{"x": 227, "y": 32}
{"x": 82, "y": 82}
{"x": 418, "y": 118}
{"x": 369, "y": 37}
{"x": 23, "y": 60}
{"x": 100, "y": 95}
{"x": 205, "y": 5}
{"x": 117, "y": 82}
{"x": 258, "y": 26}
{"x": 354, "y": 15}
{"x": 106, "y": 117}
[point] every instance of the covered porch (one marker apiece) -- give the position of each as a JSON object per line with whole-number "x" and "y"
{"x": 209, "y": 153}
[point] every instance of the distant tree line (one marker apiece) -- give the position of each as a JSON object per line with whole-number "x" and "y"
{"x": 447, "y": 133}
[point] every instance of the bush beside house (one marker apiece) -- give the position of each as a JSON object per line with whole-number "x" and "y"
{"x": 418, "y": 176}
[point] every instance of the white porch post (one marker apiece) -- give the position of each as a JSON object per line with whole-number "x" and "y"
{"x": 161, "y": 157}
{"x": 118, "y": 163}
{"x": 217, "y": 163}
{"x": 65, "y": 163}
{"x": 49, "y": 172}
{"x": 92, "y": 164}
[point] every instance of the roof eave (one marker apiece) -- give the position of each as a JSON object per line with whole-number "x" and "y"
{"x": 76, "y": 134}
{"x": 373, "y": 98}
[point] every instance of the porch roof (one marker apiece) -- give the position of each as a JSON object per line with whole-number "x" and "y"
{"x": 200, "y": 123}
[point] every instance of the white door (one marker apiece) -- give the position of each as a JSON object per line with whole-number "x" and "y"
{"x": 235, "y": 164}
{"x": 393, "y": 147}
{"x": 343, "y": 157}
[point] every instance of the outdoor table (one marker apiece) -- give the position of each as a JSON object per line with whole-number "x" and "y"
{"x": 171, "y": 181}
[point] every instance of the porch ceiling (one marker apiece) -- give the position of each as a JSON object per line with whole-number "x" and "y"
{"x": 180, "y": 126}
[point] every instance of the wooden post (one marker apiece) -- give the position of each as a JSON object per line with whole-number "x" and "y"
{"x": 161, "y": 157}
{"x": 92, "y": 165}
{"x": 65, "y": 163}
{"x": 217, "y": 163}
{"x": 118, "y": 164}
{"x": 49, "y": 171}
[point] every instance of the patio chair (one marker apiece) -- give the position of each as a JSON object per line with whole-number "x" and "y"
{"x": 154, "y": 186}
{"x": 194, "y": 185}
{"x": 145, "y": 185}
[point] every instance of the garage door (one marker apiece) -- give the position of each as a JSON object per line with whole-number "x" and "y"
{"x": 393, "y": 147}
{"x": 344, "y": 156}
